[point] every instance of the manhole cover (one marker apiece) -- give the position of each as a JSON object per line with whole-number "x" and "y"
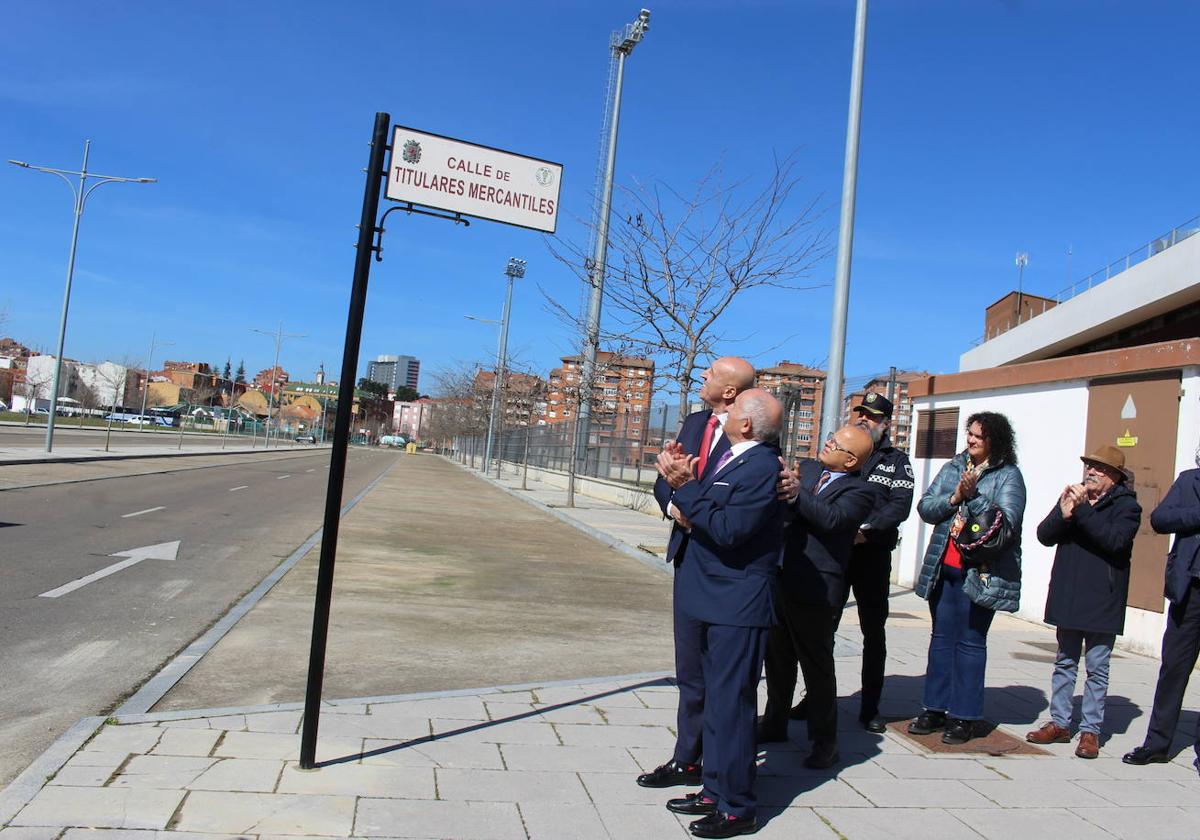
{"x": 995, "y": 742}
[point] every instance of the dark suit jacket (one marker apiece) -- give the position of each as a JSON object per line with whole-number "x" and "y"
{"x": 820, "y": 538}
{"x": 690, "y": 438}
{"x": 1179, "y": 514}
{"x": 732, "y": 557}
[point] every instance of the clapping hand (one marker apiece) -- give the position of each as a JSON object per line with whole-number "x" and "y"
{"x": 966, "y": 488}
{"x": 676, "y": 466}
{"x": 788, "y": 486}
{"x": 1072, "y": 497}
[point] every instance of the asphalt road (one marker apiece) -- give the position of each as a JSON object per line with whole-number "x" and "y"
{"x": 81, "y": 653}
{"x": 66, "y": 434}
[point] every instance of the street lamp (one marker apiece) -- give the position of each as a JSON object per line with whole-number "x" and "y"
{"x": 279, "y": 335}
{"x": 514, "y": 269}
{"x": 81, "y": 196}
{"x": 1021, "y": 261}
{"x": 622, "y": 47}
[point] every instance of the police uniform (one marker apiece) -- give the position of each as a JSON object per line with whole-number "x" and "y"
{"x": 889, "y": 472}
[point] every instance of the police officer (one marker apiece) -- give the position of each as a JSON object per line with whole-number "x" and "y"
{"x": 889, "y": 472}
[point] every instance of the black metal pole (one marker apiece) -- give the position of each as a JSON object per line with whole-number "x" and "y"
{"x": 341, "y": 439}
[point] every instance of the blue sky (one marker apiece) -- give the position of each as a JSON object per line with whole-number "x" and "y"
{"x": 989, "y": 127}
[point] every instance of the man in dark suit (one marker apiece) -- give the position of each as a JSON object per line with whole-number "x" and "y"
{"x": 1179, "y": 514}
{"x": 702, "y": 437}
{"x": 827, "y": 502}
{"x": 724, "y": 590}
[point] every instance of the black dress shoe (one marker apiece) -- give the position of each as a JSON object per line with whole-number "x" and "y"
{"x": 720, "y": 824}
{"x": 671, "y": 773}
{"x": 824, "y": 754}
{"x": 800, "y": 710}
{"x": 958, "y": 731}
{"x": 767, "y": 733}
{"x": 694, "y": 803}
{"x": 875, "y": 724}
{"x": 927, "y": 723}
{"x": 1145, "y": 755}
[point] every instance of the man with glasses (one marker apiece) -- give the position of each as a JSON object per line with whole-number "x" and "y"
{"x": 827, "y": 500}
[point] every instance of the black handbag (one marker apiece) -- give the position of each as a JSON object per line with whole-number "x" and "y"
{"x": 982, "y": 536}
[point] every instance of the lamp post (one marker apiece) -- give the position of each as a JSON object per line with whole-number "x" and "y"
{"x": 514, "y": 269}
{"x": 621, "y": 48}
{"x": 146, "y": 388}
{"x": 1021, "y": 261}
{"x": 832, "y": 407}
{"x": 279, "y": 335}
{"x": 81, "y": 196}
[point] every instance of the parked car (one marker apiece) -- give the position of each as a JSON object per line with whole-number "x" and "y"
{"x": 306, "y": 438}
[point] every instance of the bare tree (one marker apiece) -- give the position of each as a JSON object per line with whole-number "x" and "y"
{"x": 677, "y": 263}
{"x": 35, "y": 386}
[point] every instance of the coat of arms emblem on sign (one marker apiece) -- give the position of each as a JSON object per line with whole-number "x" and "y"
{"x": 412, "y": 152}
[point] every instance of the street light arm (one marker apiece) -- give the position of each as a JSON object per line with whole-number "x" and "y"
{"x": 107, "y": 180}
{"x": 59, "y": 172}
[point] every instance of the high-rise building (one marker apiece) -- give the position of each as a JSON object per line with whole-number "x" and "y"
{"x": 620, "y": 402}
{"x": 395, "y": 371}
{"x": 800, "y": 389}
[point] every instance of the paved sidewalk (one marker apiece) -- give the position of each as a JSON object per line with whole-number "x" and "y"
{"x": 558, "y": 761}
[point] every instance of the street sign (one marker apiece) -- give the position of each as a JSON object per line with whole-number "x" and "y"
{"x": 473, "y": 180}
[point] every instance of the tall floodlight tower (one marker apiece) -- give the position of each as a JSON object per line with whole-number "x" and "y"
{"x": 621, "y": 47}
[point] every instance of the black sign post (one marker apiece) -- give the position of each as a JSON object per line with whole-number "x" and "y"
{"x": 341, "y": 441}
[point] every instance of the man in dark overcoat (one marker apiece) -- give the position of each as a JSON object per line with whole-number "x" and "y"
{"x": 1093, "y": 525}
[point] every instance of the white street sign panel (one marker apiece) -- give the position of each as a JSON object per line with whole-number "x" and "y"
{"x": 479, "y": 181}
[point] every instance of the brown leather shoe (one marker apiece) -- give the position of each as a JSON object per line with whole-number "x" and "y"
{"x": 1089, "y": 745}
{"x": 1050, "y": 733}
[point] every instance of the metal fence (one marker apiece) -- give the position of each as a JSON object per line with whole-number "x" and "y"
{"x": 630, "y": 461}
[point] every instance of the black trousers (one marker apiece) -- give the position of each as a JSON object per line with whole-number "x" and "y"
{"x": 1180, "y": 648}
{"x": 804, "y": 634}
{"x": 870, "y": 580}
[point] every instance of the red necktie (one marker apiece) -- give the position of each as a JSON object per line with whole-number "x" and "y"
{"x": 706, "y": 443}
{"x": 822, "y": 481}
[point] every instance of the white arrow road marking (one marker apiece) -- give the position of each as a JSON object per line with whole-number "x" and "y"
{"x": 239, "y": 487}
{"x": 140, "y": 512}
{"x": 162, "y": 551}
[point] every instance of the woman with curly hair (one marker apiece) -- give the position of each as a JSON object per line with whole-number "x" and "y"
{"x": 976, "y": 482}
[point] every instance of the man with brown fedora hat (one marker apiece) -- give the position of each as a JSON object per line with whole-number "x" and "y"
{"x": 1093, "y": 525}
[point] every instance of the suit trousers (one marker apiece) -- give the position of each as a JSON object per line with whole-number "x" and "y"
{"x": 689, "y": 676}
{"x": 870, "y": 579}
{"x": 804, "y": 634}
{"x": 732, "y": 661}
{"x": 1180, "y": 647}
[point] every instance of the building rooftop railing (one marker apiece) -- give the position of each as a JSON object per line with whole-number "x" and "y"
{"x": 1138, "y": 255}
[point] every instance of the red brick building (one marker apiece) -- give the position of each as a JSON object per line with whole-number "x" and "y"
{"x": 800, "y": 388}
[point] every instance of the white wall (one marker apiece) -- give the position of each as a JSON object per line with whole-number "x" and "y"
{"x": 1050, "y": 422}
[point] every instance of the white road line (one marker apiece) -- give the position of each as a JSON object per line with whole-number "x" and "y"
{"x": 140, "y": 512}
{"x": 239, "y": 487}
{"x": 282, "y": 477}
{"x": 312, "y": 470}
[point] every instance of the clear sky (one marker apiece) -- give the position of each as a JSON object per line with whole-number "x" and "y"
{"x": 989, "y": 127}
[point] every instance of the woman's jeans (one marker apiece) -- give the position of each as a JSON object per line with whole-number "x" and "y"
{"x": 1098, "y": 647}
{"x": 957, "y": 649}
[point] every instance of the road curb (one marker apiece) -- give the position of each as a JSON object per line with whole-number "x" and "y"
{"x": 154, "y": 689}
{"x": 651, "y": 560}
{"x": 21, "y": 790}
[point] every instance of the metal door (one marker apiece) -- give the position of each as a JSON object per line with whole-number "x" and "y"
{"x": 1140, "y": 414}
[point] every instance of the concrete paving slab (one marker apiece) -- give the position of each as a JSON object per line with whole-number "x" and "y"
{"x": 902, "y": 793}
{"x": 1036, "y": 793}
{"x": 100, "y": 807}
{"x": 1134, "y": 792}
{"x": 641, "y": 822}
{"x": 545, "y": 821}
{"x": 259, "y": 813}
{"x": 454, "y": 820}
{"x": 196, "y": 742}
{"x": 161, "y": 771}
{"x": 445, "y": 753}
{"x": 249, "y": 775}
{"x": 569, "y": 758}
{"x": 360, "y": 780}
{"x": 1145, "y": 823}
{"x": 1007, "y": 823}
{"x": 895, "y": 824}
{"x": 510, "y": 786}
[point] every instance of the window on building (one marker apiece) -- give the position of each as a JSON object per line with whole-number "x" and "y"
{"x": 938, "y": 433}
{"x": 805, "y": 438}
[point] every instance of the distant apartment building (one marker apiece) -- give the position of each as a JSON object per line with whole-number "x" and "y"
{"x": 395, "y": 371}
{"x": 93, "y": 386}
{"x": 411, "y": 419}
{"x": 523, "y": 397}
{"x": 275, "y": 377}
{"x": 799, "y": 388}
{"x": 620, "y": 401}
{"x": 901, "y": 428}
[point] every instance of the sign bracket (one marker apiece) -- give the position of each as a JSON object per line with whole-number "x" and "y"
{"x": 410, "y": 208}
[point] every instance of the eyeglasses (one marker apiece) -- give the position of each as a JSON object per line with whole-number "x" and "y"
{"x": 832, "y": 441}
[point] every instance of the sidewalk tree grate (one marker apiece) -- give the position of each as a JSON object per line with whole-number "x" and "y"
{"x": 996, "y": 742}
